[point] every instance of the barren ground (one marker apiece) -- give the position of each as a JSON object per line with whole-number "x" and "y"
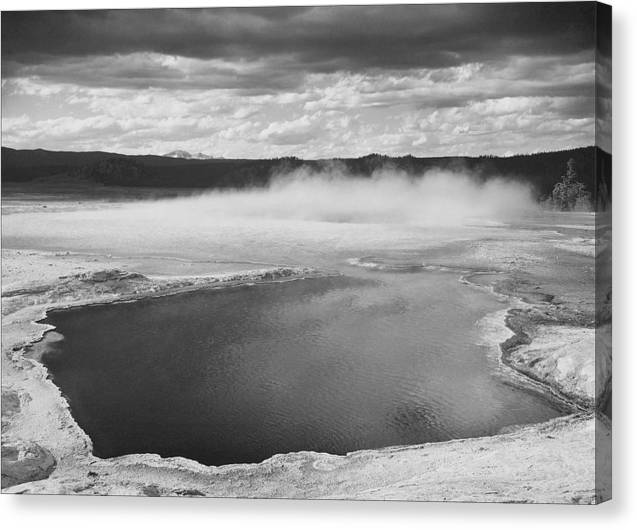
{"x": 557, "y": 329}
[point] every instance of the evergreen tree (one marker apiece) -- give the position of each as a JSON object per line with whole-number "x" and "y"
{"x": 570, "y": 193}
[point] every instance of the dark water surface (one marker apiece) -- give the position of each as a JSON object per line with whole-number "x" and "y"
{"x": 329, "y": 364}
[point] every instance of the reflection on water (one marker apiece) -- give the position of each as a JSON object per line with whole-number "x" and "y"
{"x": 387, "y": 354}
{"x": 330, "y": 364}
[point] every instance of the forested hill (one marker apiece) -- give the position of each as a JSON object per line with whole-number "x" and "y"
{"x": 541, "y": 170}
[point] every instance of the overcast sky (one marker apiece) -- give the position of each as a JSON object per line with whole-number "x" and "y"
{"x": 312, "y": 82}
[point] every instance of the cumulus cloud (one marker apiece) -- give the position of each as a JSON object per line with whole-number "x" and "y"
{"x": 311, "y": 82}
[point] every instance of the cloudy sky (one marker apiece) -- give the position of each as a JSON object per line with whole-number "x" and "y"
{"x": 312, "y": 82}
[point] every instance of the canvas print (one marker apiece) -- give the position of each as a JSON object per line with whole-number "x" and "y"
{"x": 335, "y": 252}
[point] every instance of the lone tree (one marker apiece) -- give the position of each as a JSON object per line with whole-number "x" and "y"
{"x": 570, "y": 193}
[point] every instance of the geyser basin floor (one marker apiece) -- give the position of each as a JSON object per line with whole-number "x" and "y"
{"x": 330, "y": 364}
{"x": 548, "y": 462}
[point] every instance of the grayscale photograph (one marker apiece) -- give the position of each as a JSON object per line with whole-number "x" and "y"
{"x": 331, "y": 252}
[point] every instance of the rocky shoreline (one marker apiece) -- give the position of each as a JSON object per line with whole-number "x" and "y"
{"x": 551, "y": 343}
{"x": 45, "y": 451}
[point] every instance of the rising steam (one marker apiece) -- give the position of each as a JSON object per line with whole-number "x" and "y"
{"x": 302, "y": 217}
{"x": 435, "y": 198}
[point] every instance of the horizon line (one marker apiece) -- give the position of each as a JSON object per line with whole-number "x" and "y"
{"x": 317, "y": 159}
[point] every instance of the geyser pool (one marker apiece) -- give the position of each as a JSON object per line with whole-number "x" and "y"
{"x": 330, "y": 364}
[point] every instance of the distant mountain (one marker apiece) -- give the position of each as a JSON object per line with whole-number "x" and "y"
{"x": 540, "y": 170}
{"x": 188, "y": 156}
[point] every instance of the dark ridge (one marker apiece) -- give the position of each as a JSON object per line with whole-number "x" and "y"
{"x": 540, "y": 170}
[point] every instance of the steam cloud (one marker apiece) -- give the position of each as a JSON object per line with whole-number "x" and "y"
{"x": 437, "y": 198}
{"x": 303, "y": 217}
